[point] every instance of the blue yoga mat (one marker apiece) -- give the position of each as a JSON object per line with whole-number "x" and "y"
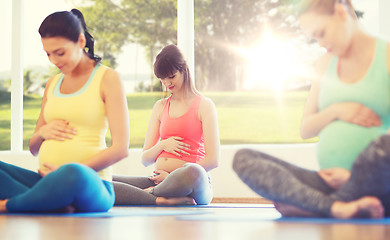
{"x": 118, "y": 212}
{"x": 276, "y": 217}
{"x": 383, "y": 221}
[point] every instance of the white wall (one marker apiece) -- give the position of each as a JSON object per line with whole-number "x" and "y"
{"x": 225, "y": 181}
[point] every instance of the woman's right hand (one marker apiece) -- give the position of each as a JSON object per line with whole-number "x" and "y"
{"x": 358, "y": 114}
{"x": 57, "y": 130}
{"x": 335, "y": 177}
{"x": 175, "y": 146}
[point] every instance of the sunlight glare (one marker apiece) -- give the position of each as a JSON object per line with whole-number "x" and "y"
{"x": 272, "y": 63}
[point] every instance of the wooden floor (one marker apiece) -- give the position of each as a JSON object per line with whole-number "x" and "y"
{"x": 218, "y": 221}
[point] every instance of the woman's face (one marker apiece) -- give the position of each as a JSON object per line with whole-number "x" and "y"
{"x": 174, "y": 82}
{"x": 63, "y": 53}
{"x": 330, "y": 31}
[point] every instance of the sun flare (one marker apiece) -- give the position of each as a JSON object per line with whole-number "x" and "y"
{"x": 272, "y": 63}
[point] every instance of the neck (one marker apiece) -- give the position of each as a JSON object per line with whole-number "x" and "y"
{"x": 360, "y": 41}
{"x": 84, "y": 66}
{"x": 182, "y": 96}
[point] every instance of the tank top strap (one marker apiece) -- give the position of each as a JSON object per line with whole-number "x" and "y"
{"x": 166, "y": 106}
{"x": 54, "y": 83}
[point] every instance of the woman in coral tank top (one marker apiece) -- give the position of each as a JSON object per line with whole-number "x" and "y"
{"x": 182, "y": 141}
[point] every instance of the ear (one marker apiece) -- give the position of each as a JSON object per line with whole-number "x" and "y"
{"x": 340, "y": 11}
{"x": 82, "y": 41}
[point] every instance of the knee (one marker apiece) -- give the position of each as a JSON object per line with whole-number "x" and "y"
{"x": 193, "y": 171}
{"x": 380, "y": 147}
{"x": 240, "y": 159}
{"x": 74, "y": 173}
{"x": 383, "y": 142}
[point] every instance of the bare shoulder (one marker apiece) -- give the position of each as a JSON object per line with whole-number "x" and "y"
{"x": 110, "y": 76}
{"x": 48, "y": 83}
{"x": 159, "y": 105}
{"x": 206, "y": 105}
{"x": 158, "y": 108}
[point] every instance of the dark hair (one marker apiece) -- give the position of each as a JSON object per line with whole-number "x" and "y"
{"x": 168, "y": 62}
{"x": 68, "y": 25}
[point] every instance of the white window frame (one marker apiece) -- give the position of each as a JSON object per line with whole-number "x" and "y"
{"x": 185, "y": 35}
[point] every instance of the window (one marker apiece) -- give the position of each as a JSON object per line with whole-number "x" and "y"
{"x": 5, "y": 75}
{"x": 230, "y": 62}
{"x": 252, "y": 51}
{"x": 37, "y": 68}
{"x": 256, "y": 54}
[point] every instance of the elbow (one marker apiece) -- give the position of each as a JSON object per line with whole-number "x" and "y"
{"x": 304, "y": 132}
{"x": 304, "y": 135}
{"x": 213, "y": 164}
{"x": 122, "y": 152}
{"x": 145, "y": 161}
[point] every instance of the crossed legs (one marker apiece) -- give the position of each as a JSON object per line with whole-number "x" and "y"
{"x": 302, "y": 189}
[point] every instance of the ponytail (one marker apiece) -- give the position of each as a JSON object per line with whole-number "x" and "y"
{"x": 68, "y": 25}
{"x": 90, "y": 41}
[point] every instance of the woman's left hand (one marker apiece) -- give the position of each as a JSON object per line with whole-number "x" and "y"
{"x": 48, "y": 169}
{"x": 159, "y": 176}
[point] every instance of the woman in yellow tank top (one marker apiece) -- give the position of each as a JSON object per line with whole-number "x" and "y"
{"x": 78, "y": 107}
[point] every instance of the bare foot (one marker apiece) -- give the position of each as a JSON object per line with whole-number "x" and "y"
{"x": 365, "y": 207}
{"x": 291, "y": 211}
{"x": 148, "y": 189}
{"x": 2, "y": 205}
{"x": 175, "y": 201}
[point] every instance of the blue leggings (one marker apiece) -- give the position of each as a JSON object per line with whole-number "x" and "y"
{"x": 72, "y": 184}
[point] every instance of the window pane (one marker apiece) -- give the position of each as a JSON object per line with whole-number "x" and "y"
{"x": 256, "y": 54}
{"x": 5, "y": 74}
{"x": 127, "y": 37}
{"x": 37, "y": 68}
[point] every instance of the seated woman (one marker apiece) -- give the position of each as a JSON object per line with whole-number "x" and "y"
{"x": 349, "y": 108}
{"x": 182, "y": 141}
{"x": 78, "y": 106}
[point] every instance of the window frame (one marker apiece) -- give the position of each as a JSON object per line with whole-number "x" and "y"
{"x": 185, "y": 36}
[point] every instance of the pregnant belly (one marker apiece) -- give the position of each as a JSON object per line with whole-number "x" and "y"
{"x": 341, "y": 142}
{"x": 169, "y": 164}
{"x": 63, "y": 152}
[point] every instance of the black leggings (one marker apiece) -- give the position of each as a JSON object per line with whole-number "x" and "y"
{"x": 282, "y": 182}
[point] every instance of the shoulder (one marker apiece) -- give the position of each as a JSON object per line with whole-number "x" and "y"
{"x": 110, "y": 75}
{"x": 159, "y": 107}
{"x": 50, "y": 82}
{"x": 206, "y": 105}
{"x": 159, "y": 104}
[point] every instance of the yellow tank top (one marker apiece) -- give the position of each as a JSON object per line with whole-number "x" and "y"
{"x": 85, "y": 111}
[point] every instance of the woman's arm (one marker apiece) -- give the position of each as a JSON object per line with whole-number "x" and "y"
{"x": 152, "y": 146}
{"x": 114, "y": 97}
{"x": 314, "y": 121}
{"x": 208, "y": 116}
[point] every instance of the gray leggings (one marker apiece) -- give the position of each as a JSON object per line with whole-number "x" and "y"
{"x": 190, "y": 180}
{"x": 282, "y": 182}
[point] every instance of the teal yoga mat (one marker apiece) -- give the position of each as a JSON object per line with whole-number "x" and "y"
{"x": 119, "y": 212}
